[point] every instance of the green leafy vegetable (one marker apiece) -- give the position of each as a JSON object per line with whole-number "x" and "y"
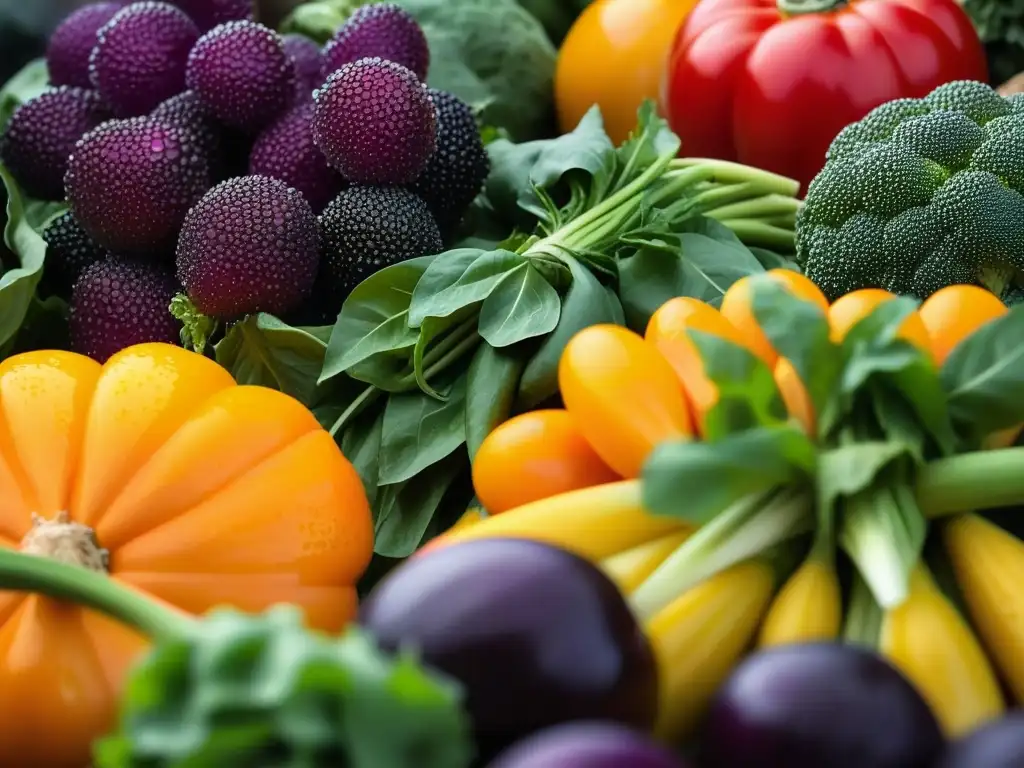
{"x": 30, "y": 82}
{"x": 18, "y": 284}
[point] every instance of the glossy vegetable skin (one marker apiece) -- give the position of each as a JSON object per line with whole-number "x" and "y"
{"x": 614, "y": 56}
{"x": 771, "y": 83}
{"x": 810, "y": 706}
{"x": 587, "y": 745}
{"x": 536, "y": 635}
{"x": 198, "y": 491}
{"x": 996, "y": 745}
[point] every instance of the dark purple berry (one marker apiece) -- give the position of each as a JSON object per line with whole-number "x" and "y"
{"x": 69, "y": 251}
{"x": 457, "y": 170}
{"x": 375, "y": 123}
{"x": 242, "y": 74}
{"x": 120, "y": 302}
{"x": 365, "y": 229}
{"x": 67, "y": 53}
{"x": 250, "y": 245}
{"x": 42, "y": 134}
{"x": 305, "y": 55}
{"x": 207, "y": 14}
{"x": 286, "y": 151}
{"x": 140, "y": 57}
{"x": 383, "y": 30}
{"x": 131, "y": 182}
{"x": 184, "y": 110}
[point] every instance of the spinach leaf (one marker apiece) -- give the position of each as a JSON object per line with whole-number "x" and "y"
{"x": 405, "y": 510}
{"x": 18, "y": 285}
{"x": 522, "y": 306}
{"x": 474, "y": 285}
{"x": 31, "y": 81}
{"x": 490, "y": 391}
{"x": 264, "y": 351}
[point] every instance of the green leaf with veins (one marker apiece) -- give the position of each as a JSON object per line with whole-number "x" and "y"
{"x": 360, "y": 444}
{"x": 694, "y": 480}
{"x": 523, "y": 305}
{"x": 491, "y": 386}
{"x": 474, "y": 285}
{"x": 420, "y": 430}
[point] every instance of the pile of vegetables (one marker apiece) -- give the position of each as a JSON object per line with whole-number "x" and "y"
{"x": 785, "y": 470}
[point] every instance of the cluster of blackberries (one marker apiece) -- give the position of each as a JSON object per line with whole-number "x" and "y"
{"x": 200, "y": 151}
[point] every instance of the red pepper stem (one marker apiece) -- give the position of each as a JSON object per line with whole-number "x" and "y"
{"x": 800, "y": 7}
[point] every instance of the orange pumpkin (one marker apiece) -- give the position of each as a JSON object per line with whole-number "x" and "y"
{"x": 200, "y": 492}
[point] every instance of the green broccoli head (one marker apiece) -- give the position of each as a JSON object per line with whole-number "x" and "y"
{"x": 921, "y": 194}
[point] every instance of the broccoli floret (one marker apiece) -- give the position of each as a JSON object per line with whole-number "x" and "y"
{"x": 921, "y": 194}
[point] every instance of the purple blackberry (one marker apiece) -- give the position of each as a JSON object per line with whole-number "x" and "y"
{"x": 305, "y": 55}
{"x": 207, "y": 14}
{"x": 250, "y": 245}
{"x": 374, "y": 122}
{"x": 131, "y": 182}
{"x": 67, "y": 53}
{"x": 365, "y": 229}
{"x": 286, "y": 151}
{"x": 242, "y": 74}
{"x": 457, "y": 170}
{"x": 41, "y": 135}
{"x": 186, "y": 111}
{"x": 69, "y": 251}
{"x": 140, "y": 56}
{"x": 119, "y": 302}
{"x": 386, "y": 31}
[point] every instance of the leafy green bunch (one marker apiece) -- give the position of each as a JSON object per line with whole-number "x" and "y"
{"x": 434, "y": 352}
{"x": 898, "y": 442}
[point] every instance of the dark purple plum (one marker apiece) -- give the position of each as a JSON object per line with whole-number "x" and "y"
{"x": 383, "y": 30}
{"x": 458, "y": 168}
{"x": 818, "y": 705}
{"x": 250, "y": 245}
{"x": 587, "y": 745}
{"x": 999, "y": 744}
{"x": 286, "y": 151}
{"x": 306, "y": 56}
{"x": 140, "y": 57}
{"x": 207, "y": 14}
{"x": 242, "y": 74}
{"x": 119, "y": 302}
{"x": 69, "y": 251}
{"x": 69, "y": 47}
{"x": 43, "y": 132}
{"x": 375, "y": 123}
{"x": 131, "y": 182}
{"x": 537, "y": 636}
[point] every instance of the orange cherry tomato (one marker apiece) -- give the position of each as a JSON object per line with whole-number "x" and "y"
{"x": 737, "y": 308}
{"x": 850, "y": 309}
{"x": 623, "y": 396}
{"x": 953, "y": 313}
{"x": 534, "y": 456}
{"x": 667, "y": 331}
{"x": 613, "y": 57}
{"x": 794, "y": 395}
{"x": 202, "y": 492}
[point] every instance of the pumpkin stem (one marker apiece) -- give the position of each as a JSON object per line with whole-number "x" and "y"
{"x": 66, "y": 542}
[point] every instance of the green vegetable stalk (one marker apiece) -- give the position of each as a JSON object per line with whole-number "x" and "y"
{"x": 232, "y": 689}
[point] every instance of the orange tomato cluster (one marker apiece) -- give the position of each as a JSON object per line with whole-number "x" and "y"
{"x": 625, "y": 393}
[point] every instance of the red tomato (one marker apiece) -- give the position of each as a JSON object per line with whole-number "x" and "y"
{"x": 770, "y": 83}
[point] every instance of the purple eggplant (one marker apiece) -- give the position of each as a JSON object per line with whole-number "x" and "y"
{"x": 588, "y": 745}
{"x": 537, "y": 636}
{"x": 998, "y": 744}
{"x": 819, "y": 706}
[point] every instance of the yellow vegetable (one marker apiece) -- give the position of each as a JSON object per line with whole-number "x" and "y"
{"x": 808, "y": 607}
{"x": 700, "y": 637}
{"x": 629, "y": 569}
{"x": 595, "y": 523}
{"x": 989, "y": 566}
{"x": 929, "y": 641}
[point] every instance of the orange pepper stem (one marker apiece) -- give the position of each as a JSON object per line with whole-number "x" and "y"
{"x": 31, "y": 573}
{"x": 979, "y": 480}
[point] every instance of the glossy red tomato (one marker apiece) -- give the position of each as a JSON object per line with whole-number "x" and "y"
{"x": 770, "y": 83}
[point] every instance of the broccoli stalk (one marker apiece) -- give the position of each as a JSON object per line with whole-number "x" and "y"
{"x": 232, "y": 690}
{"x": 919, "y": 195}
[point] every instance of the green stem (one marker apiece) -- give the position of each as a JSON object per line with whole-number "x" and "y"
{"x": 710, "y": 196}
{"x": 800, "y": 7}
{"x": 364, "y": 399}
{"x": 753, "y": 232}
{"x": 763, "y": 207}
{"x": 747, "y": 528}
{"x": 736, "y": 173}
{"x": 31, "y": 573}
{"x": 863, "y": 617}
{"x": 980, "y": 480}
